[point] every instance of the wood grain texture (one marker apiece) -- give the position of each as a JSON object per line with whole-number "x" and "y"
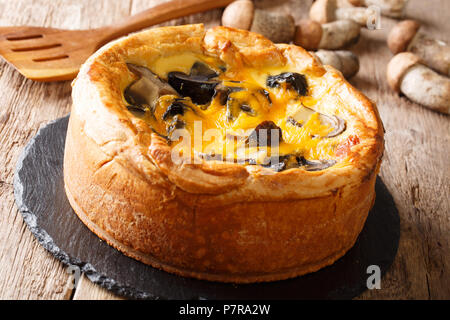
{"x": 86, "y": 290}
{"x": 415, "y": 169}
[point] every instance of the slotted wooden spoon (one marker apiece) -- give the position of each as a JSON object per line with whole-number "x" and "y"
{"x": 47, "y": 54}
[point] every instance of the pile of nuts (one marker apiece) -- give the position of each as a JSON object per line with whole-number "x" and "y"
{"x": 420, "y": 69}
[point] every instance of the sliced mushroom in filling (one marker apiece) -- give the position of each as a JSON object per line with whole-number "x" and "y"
{"x": 303, "y": 114}
{"x": 244, "y": 112}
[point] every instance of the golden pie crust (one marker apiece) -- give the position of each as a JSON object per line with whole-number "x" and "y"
{"x": 215, "y": 220}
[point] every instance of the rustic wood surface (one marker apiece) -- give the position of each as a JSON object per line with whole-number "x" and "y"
{"x": 415, "y": 169}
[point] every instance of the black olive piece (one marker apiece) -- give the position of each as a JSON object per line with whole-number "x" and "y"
{"x": 199, "y": 69}
{"x": 234, "y": 107}
{"x": 268, "y": 126}
{"x": 199, "y": 90}
{"x": 176, "y": 108}
{"x": 223, "y": 92}
{"x": 316, "y": 165}
{"x": 295, "y": 81}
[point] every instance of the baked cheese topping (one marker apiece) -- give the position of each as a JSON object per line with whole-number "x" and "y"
{"x": 248, "y": 116}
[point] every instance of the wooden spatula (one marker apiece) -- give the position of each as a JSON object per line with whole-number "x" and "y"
{"x": 46, "y": 54}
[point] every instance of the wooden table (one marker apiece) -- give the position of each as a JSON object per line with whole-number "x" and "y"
{"x": 416, "y": 165}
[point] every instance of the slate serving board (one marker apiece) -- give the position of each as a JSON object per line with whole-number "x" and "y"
{"x": 40, "y": 196}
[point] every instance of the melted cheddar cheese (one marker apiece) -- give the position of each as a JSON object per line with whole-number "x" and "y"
{"x": 215, "y": 130}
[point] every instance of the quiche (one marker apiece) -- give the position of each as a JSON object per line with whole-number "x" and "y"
{"x": 219, "y": 155}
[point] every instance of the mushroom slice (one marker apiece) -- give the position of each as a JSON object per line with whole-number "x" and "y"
{"x": 223, "y": 92}
{"x": 174, "y": 109}
{"x": 291, "y": 161}
{"x": 144, "y": 92}
{"x": 282, "y": 163}
{"x": 235, "y": 106}
{"x": 198, "y": 85}
{"x": 338, "y": 124}
{"x": 200, "y": 90}
{"x": 199, "y": 69}
{"x": 138, "y": 111}
{"x": 292, "y": 80}
{"x": 316, "y": 165}
{"x": 232, "y": 109}
{"x": 304, "y": 114}
{"x": 248, "y": 100}
{"x": 177, "y": 107}
{"x": 270, "y": 127}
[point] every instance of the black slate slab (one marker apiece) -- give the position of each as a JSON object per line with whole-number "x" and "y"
{"x": 40, "y": 196}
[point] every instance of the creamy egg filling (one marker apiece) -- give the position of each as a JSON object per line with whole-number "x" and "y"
{"x": 250, "y": 118}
